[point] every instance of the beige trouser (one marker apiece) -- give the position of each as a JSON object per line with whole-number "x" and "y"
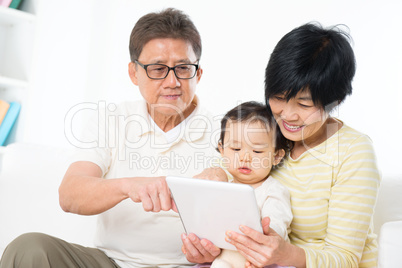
{"x": 36, "y": 250}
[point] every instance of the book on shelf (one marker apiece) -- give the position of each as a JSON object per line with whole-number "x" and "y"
{"x": 8, "y": 121}
{"x": 3, "y": 109}
{"x": 5, "y": 3}
{"x": 15, "y": 4}
{"x": 10, "y": 3}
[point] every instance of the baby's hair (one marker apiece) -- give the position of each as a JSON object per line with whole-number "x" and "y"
{"x": 251, "y": 112}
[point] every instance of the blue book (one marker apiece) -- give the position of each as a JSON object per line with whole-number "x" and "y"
{"x": 8, "y": 121}
{"x": 15, "y": 4}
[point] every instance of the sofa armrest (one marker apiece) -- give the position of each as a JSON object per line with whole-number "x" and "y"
{"x": 390, "y": 245}
{"x": 29, "y": 200}
{"x": 389, "y": 196}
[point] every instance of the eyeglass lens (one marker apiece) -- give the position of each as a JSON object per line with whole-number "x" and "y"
{"x": 182, "y": 71}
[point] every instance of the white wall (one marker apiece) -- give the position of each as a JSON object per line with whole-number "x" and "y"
{"x": 82, "y": 55}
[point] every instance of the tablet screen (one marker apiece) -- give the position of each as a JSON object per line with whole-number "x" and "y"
{"x": 210, "y": 208}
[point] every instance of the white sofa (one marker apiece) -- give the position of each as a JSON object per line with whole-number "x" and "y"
{"x": 29, "y": 180}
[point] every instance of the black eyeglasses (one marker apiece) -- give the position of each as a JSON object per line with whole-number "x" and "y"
{"x": 161, "y": 71}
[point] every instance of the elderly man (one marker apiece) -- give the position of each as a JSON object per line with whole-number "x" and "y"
{"x": 166, "y": 133}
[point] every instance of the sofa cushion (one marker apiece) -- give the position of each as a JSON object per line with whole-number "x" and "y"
{"x": 390, "y": 254}
{"x": 29, "y": 183}
{"x": 389, "y": 202}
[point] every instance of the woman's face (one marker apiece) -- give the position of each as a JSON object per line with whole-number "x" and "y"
{"x": 169, "y": 96}
{"x": 299, "y": 119}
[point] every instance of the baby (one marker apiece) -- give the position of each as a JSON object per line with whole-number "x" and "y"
{"x": 251, "y": 145}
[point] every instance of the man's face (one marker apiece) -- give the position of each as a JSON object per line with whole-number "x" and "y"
{"x": 169, "y": 96}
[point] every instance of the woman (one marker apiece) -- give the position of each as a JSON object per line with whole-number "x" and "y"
{"x": 331, "y": 171}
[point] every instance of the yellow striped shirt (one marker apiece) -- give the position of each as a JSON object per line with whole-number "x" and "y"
{"x": 333, "y": 190}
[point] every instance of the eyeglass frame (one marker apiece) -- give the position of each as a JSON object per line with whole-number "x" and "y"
{"x": 145, "y": 66}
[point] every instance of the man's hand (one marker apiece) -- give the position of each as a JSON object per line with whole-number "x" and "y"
{"x": 152, "y": 192}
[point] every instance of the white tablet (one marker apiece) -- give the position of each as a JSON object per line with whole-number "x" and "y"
{"x": 210, "y": 208}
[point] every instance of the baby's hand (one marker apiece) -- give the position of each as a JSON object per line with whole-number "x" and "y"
{"x": 213, "y": 174}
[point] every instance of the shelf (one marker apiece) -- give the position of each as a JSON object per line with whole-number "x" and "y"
{"x": 7, "y": 82}
{"x": 11, "y": 16}
{"x": 17, "y": 36}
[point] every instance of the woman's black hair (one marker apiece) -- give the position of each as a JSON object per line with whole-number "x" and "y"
{"x": 315, "y": 59}
{"x": 251, "y": 112}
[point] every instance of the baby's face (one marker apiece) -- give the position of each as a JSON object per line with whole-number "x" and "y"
{"x": 248, "y": 152}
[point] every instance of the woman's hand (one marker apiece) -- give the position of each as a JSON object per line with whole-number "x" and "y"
{"x": 261, "y": 249}
{"x": 199, "y": 251}
{"x": 213, "y": 174}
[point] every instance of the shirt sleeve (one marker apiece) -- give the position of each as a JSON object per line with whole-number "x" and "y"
{"x": 92, "y": 143}
{"x": 354, "y": 189}
{"x": 278, "y": 208}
